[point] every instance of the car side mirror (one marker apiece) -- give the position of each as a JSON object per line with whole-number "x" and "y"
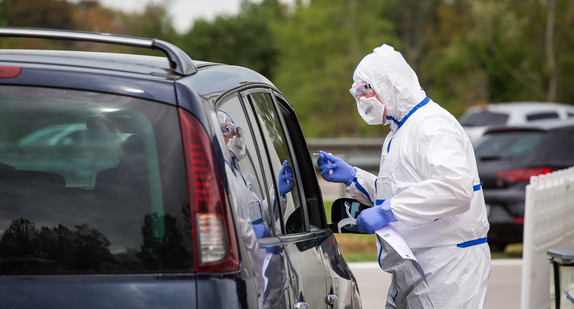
{"x": 342, "y": 211}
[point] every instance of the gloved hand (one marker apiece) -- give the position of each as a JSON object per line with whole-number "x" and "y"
{"x": 334, "y": 169}
{"x": 285, "y": 179}
{"x": 374, "y": 218}
{"x": 261, "y": 231}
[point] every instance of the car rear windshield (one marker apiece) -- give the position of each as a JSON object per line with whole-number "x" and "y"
{"x": 483, "y": 118}
{"x": 508, "y": 144}
{"x": 86, "y": 185}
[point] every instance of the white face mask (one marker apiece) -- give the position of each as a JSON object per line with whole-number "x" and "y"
{"x": 371, "y": 110}
{"x": 237, "y": 146}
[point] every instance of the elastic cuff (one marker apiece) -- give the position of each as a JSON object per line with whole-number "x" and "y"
{"x": 352, "y": 176}
{"x": 387, "y": 211}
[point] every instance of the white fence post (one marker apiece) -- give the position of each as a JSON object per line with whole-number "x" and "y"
{"x": 548, "y": 224}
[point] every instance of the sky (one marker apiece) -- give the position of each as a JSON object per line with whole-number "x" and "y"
{"x": 184, "y": 12}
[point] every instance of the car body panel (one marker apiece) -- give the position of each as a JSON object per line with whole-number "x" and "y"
{"x": 101, "y": 81}
{"x": 149, "y": 291}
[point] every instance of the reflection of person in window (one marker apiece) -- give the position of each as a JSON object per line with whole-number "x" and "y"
{"x": 255, "y": 204}
{"x": 251, "y": 212}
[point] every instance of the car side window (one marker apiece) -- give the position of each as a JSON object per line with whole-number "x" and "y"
{"x": 245, "y": 159}
{"x": 541, "y": 116}
{"x": 305, "y": 167}
{"x": 287, "y": 213}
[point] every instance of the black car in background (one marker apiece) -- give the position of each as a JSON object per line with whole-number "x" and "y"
{"x": 117, "y": 188}
{"x": 507, "y": 157}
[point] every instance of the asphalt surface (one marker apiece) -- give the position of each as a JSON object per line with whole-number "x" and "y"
{"x": 503, "y": 285}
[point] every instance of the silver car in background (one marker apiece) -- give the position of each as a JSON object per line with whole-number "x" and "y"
{"x": 477, "y": 119}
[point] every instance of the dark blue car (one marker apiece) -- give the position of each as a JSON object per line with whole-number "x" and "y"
{"x": 118, "y": 187}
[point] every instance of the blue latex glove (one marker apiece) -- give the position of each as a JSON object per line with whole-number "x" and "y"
{"x": 334, "y": 169}
{"x": 261, "y": 231}
{"x": 285, "y": 179}
{"x": 374, "y": 218}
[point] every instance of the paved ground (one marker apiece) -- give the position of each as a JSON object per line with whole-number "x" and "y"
{"x": 503, "y": 284}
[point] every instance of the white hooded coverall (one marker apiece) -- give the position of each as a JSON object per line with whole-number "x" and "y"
{"x": 428, "y": 170}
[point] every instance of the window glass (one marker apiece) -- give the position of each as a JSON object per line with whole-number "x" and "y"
{"x": 305, "y": 166}
{"x": 508, "y": 144}
{"x": 541, "y": 116}
{"x": 560, "y": 147}
{"x": 287, "y": 210}
{"x": 81, "y": 184}
{"x": 483, "y": 118}
{"x": 245, "y": 160}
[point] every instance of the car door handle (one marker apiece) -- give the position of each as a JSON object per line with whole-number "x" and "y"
{"x": 301, "y": 305}
{"x": 331, "y": 299}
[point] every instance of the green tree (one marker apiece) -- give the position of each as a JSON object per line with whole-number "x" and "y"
{"x": 450, "y": 72}
{"x": 320, "y": 45}
{"x": 37, "y": 13}
{"x": 56, "y": 14}
{"x": 412, "y": 20}
{"x": 245, "y": 39}
{"x": 500, "y": 50}
{"x": 153, "y": 22}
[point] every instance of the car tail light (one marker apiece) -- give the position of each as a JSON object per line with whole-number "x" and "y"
{"x": 9, "y": 72}
{"x": 212, "y": 223}
{"x": 522, "y": 174}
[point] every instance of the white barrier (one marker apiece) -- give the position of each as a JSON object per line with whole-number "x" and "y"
{"x": 548, "y": 224}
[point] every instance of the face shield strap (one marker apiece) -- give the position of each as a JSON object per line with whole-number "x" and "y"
{"x": 412, "y": 111}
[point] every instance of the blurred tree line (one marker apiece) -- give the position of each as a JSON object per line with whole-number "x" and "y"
{"x": 465, "y": 52}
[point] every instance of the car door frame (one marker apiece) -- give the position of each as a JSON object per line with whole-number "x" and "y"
{"x": 342, "y": 289}
{"x": 303, "y": 255}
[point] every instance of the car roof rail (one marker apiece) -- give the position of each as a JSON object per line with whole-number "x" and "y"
{"x": 179, "y": 61}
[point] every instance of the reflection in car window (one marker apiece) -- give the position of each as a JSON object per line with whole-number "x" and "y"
{"x": 238, "y": 134}
{"x": 508, "y": 144}
{"x": 291, "y": 215}
{"x": 80, "y": 184}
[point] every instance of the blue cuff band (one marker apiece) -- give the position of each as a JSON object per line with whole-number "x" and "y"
{"x": 362, "y": 190}
{"x": 471, "y": 243}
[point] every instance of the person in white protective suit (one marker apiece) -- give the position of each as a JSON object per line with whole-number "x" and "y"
{"x": 427, "y": 188}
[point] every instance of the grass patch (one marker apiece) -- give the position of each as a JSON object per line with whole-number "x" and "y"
{"x": 512, "y": 251}
{"x": 357, "y": 248}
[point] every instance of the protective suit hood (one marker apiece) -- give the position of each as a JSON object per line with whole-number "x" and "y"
{"x": 393, "y": 80}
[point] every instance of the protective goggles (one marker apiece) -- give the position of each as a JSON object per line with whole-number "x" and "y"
{"x": 231, "y": 130}
{"x": 362, "y": 89}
